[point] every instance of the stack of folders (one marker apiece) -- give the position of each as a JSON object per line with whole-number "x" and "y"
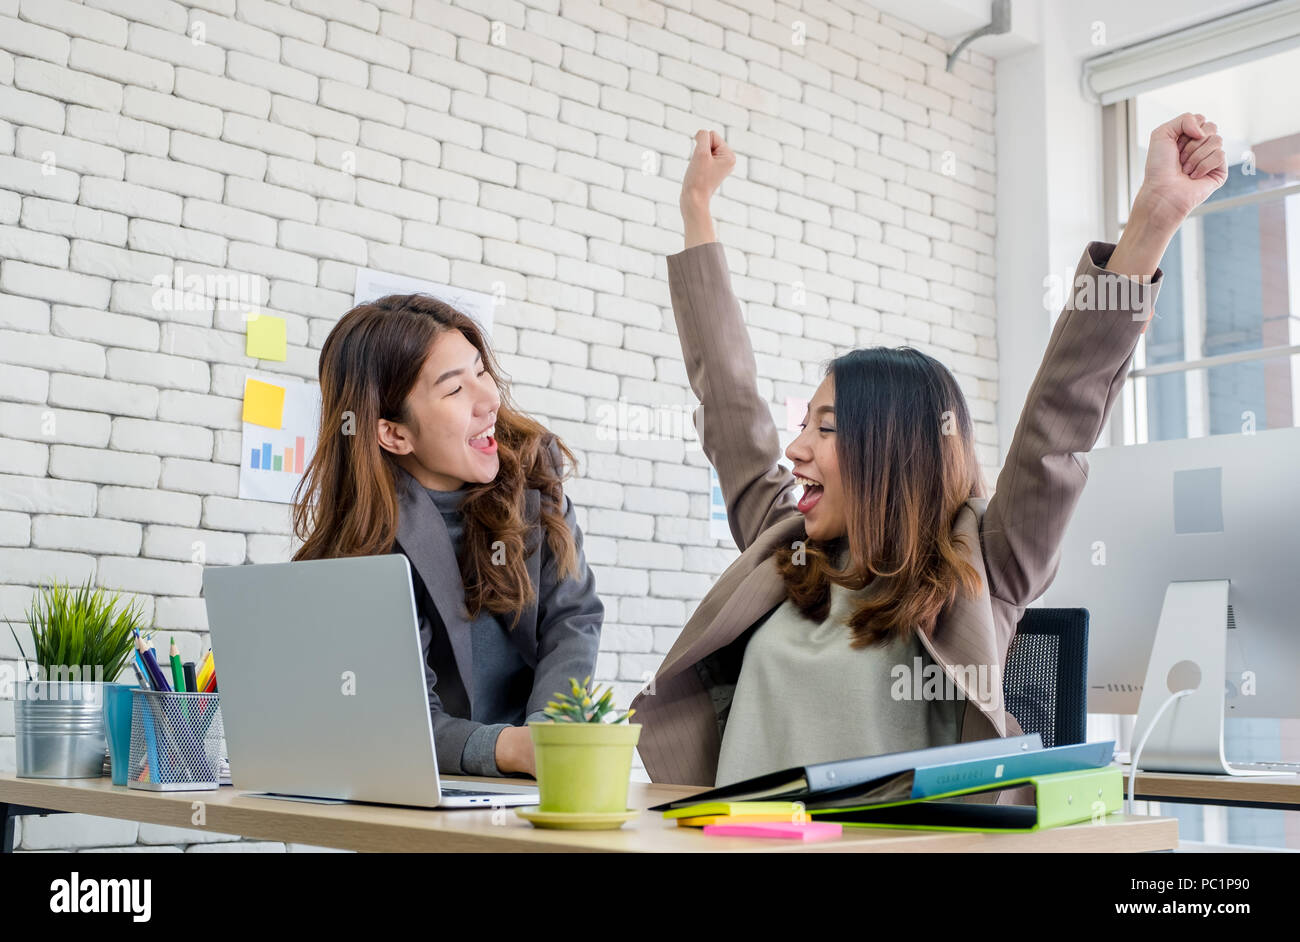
{"x": 924, "y": 788}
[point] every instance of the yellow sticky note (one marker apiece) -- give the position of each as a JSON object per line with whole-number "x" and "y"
{"x": 263, "y": 403}
{"x": 266, "y": 337}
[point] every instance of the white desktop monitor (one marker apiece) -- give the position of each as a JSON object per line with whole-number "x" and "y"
{"x": 1225, "y": 507}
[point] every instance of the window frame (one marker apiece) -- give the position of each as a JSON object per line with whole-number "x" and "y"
{"x": 1122, "y": 172}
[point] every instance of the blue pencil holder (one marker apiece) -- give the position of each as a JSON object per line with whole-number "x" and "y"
{"x": 117, "y": 727}
{"x": 175, "y": 741}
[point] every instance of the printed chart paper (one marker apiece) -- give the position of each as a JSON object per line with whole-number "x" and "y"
{"x": 718, "y": 526}
{"x": 719, "y": 529}
{"x": 273, "y": 459}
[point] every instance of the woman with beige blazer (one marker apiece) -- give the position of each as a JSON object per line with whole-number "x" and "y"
{"x": 893, "y": 564}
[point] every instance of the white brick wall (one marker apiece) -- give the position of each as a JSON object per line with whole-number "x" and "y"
{"x": 537, "y": 144}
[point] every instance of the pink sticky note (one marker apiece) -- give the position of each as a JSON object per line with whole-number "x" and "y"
{"x": 809, "y": 831}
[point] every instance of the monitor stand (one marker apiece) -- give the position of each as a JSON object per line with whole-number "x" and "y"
{"x": 1190, "y": 651}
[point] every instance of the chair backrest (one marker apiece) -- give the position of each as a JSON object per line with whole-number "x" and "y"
{"x": 1046, "y": 677}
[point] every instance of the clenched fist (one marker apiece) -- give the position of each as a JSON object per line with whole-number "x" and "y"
{"x": 711, "y": 161}
{"x": 1185, "y": 164}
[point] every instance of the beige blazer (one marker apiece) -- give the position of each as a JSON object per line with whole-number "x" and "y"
{"x": 1018, "y": 530}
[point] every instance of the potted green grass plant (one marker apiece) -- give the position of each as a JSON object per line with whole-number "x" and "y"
{"x": 82, "y": 642}
{"x": 583, "y": 752}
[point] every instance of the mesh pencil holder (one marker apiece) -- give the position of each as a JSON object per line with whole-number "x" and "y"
{"x": 175, "y": 741}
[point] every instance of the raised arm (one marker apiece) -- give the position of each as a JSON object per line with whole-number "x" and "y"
{"x": 1107, "y": 308}
{"x": 735, "y": 425}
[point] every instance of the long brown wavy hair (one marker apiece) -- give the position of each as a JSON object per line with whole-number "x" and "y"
{"x": 346, "y": 503}
{"x": 905, "y": 449}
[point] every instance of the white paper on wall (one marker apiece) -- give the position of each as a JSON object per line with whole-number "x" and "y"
{"x": 372, "y": 285}
{"x": 719, "y": 529}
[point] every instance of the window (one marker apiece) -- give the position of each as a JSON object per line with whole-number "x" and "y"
{"x": 1222, "y": 354}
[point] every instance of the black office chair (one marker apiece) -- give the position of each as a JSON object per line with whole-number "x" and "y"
{"x": 1046, "y": 678}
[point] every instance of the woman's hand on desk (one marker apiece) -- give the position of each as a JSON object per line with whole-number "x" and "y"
{"x": 711, "y": 161}
{"x": 514, "y": 752}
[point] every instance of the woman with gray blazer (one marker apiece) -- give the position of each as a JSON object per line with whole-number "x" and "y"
{"x": 892, "y": 568}
{"x": 421, "y": 452}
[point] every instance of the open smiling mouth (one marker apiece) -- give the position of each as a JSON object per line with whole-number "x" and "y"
{"x": 485, "y": 441}
{"x": 812, "y": 493}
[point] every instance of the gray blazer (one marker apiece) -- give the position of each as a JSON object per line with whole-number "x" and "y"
{"x": 1012, "y": 539}
{"x": 558, "y": 634}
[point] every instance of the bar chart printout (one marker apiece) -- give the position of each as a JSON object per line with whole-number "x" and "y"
{"x": 274, "y": 458}
{"x": 264, "y": 459}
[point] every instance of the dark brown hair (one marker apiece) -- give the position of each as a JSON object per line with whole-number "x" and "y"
{"x": 906, "y": 454}
{"x": 346, "y": 503}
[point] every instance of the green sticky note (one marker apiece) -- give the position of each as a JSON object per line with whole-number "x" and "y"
{"x": 266, "y": 337}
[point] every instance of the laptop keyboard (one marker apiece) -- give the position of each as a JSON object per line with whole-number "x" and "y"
{"x": 471, "y": 792}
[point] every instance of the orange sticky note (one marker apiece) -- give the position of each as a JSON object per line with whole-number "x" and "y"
{"x": 266, "y": 338}
{"x": 263, "y": 403}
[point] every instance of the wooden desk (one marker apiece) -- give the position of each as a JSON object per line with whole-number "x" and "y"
{"x": 1263, "y": 791}
{"x": 385, "y": 828}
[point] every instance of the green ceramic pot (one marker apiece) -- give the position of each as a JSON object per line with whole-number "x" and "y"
{"x": 583, "y": 767}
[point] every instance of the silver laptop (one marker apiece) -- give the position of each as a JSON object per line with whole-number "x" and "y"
{"x": 322, "y": 689}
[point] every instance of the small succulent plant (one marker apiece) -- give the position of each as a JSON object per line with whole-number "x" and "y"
{"x": 583, "y": 705}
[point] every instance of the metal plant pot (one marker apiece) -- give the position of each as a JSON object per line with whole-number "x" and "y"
{"x": 59, "y": 729}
